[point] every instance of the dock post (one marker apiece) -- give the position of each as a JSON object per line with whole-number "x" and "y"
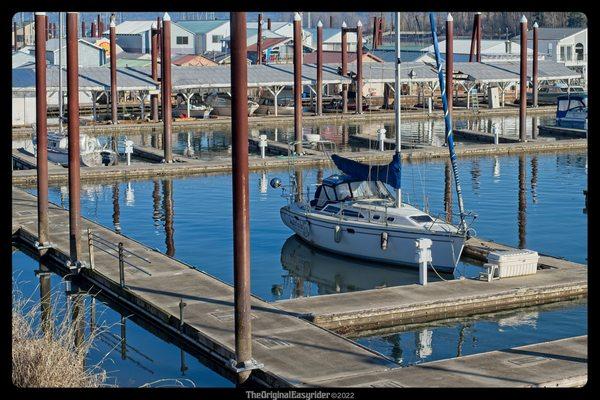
{"x": 99, "y": 27}
{"x": 534, "y": 73}
{"x": 298, "y": 82}
{"x": 479, "y": 35}
{"x": 45, "y": 294}
{"x": 241, "y": 198}
{"x": 330, "y": 21}
{"x": 423, "y": 257}
{"x": 268, "y": 23}
{"x": 121, "y": 266}
{"x": 166, "y": 86}
{"x": 93, "y": 30}
{"x": 319, "y": 68}
{"x": 154, "y": 51}
{"x": 73, "y": 128}
{"x": 344, "y": 67}
{"x": 91, "y": 247}
{"x": 375, "y": 33}
{"x": 82, "y": 29}
{"x": 41, "y": 127}
{"x": 167, "y": 185}
{"x": 114, "y": 98}
{"x": 359, "y": 67}
{"x": 523, "y": 83}
{"x": 449, "y": 65}
{"x": 15, "y": 45}
{"x": 259, "y": 41}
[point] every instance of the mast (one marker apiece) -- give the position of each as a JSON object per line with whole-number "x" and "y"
{"x": 448, "y": 120}
{"x": 397, "y": 104}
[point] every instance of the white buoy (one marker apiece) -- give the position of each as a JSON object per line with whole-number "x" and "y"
{"x": 422, "y": 257}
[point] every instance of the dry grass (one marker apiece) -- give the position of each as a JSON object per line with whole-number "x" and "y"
{"x": 50, "y": 359}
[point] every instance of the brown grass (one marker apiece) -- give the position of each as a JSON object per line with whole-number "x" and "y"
{"x": 50, "y": 359}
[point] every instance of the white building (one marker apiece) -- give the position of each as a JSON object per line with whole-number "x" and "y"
{"x": 565, "y": 45}
{"x": 489, "y": 48}
{"x": 209, "y": 35}
{"x": 136, "y": 37}
{"x": 332, "y": 39}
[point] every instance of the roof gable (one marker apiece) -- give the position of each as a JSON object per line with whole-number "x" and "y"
{"x": 202, "y": 27}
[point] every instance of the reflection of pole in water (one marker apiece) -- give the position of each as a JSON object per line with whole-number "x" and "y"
{"x": 183, "y": 366}
{"x": 298, "y": 287}
{"x": 396, "y": 351}
{"x": 448, "y": 191}
{"x": 496, "y": 167}
{"x": 461, "y": 339}
{"x": 123, "y": 338}
{"x": 156, "y": 214}
{"x": 522, "y": 202}
{"x": 423, "y": 343}
{"x": 45, "y": 299}
{"x": 475, "y": 174}
{"x": 115, "y": 147}
{"x": 116, "y": 209}
{"x": 534, "y": 129}
{"x": 92, "y": 315}
{"x": 299, "y": 184}
{"x": 534, "y": 170}
{"x": 77, "y": 318}
{"x": 320, "y": 175}
{"x": 262, "y": 182}
{"x": 168, "y": 210}
{"x": 129, "y": 195}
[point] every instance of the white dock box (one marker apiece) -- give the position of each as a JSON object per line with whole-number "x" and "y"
{"x": 514, "y": 262}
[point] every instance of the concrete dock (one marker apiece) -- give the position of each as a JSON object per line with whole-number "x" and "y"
{"x": 196, "y": 166}
{"x": 294, "y": 351}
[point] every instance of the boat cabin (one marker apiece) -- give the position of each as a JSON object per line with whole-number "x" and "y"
{"x": 339, "y": 188}
{"x": 571, "y": 111}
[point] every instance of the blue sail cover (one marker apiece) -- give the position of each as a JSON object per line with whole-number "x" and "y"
{"x": 388, "y": 173}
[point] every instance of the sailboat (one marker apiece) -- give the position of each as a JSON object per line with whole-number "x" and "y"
{"x": 353, "y": 213}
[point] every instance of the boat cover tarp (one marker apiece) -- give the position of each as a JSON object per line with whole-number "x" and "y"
{"x": 388, "y": 173}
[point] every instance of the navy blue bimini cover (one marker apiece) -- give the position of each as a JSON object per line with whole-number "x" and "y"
{"x": 388, "y": 173}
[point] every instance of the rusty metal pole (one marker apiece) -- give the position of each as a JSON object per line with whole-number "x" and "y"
{"x": 73, "y": 129}
{"x": 166, "y": 86}
{"x": 241, "y": 195}
{"x": 269, "y": 23}
{"x": 359, "y": 67}
{"x": 82, "y": 29}
{"x": 47, "y": 28}
{"x": 167, "y": 185}
{"x": 449, "y": 65}
{"x": 319, "y": 68}
{"x": 331, "y": 21}
{"x": 114, "y": 98}
{"x": 344, "y": 67}
{"x": 375, "y": 32}
{"x": 154, "y": 51}
{"x": 534, "y": 73}
{"x": 15, "y": 46}
{"x": 93, "y": 31}
{"x": 473, "y": 39}
{"x": 99, "y": 27}
{"x": 523, "y": 83}
{"x": 41, "y": 127}
{"x": 298, "y": 82}
{"x": 259, "y": 41}
{"x": 479, "y": 36}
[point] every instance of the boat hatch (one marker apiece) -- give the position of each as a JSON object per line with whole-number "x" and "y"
{"x": 421, "y": 218}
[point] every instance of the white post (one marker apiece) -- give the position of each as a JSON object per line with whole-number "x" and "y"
{"x": 263, "y": 145}
{"x": 422, "y": 257}
{"x": 381, "y": 138}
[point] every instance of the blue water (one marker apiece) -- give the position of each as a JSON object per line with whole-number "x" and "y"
{"x": 477, "y": 335}
{"x": 149, "y": 360}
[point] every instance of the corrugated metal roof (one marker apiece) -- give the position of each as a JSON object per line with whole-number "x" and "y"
{"x": 550, "y": 33}
{"x": 201, "y": 27}
{"x": 20, "y": 58}
{"x": 268, "y": 43}
{"x": 133, "y": 27}
{"x": 509, "y": 71}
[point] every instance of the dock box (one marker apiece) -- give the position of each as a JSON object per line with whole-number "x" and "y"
{"x": 514, "y": 262}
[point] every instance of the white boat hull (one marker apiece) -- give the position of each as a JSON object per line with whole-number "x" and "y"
{"x": 362, "y": 240}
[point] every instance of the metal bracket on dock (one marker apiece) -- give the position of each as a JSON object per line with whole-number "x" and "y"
{"x": 246, "y": 365}
{"x": 75, "y": 267}
{"x": 44, "y": 246}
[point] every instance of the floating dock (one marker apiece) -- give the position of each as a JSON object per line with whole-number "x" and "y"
{"x": 294, "y": 351}
{"x": 559, "y": 131}
{"x": 192, "y": 166}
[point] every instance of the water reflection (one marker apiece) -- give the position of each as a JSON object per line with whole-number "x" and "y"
{"x": 332, "y": 273}
{"x": 167, "y": 185}
{"x": 116, "y": 208}
{"x": 448, "y": 191}
{"x": 522, "y": 223}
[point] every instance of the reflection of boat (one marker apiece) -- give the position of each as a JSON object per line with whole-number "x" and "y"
{"x": 221, "y": 104}
{"x": 334, "y": 273}
{"x": 92, "y": 152}
{"x": 572, "y": 111}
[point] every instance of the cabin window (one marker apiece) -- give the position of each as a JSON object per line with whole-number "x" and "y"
{"x": 330, "y": 192}
{"x": 575, "y": 103}
{"x": 351, "y": 213}
{"x": 343, "y": 191}
{"x": 182, "y": 40}
{"x": 364, "y": 189}
{"x": 376, "y": 217}
{"x": 391, "y": 219}
{"x": 421, "y": 218}
{"x": 332, "y": 209}
{"x": 563, "y": 105}
{"x": 579, "y": 51}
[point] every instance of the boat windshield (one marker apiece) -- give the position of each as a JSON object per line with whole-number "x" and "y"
{"x": 360, "y": 190}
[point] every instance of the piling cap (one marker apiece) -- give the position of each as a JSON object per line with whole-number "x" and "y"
{"x": 40, "y": 13}
{"x": 359, "y": 23}
{"x": 166, "y": 17}
{"x": 297, "y": 16}
{"x": 344, "y": 24}
{"x": 319, "y": 24}
{"x": 112, "y": 23}
{"x": 535, "y": 25}
{"x": 449, "y": 18}
{"x": 478, "y": 12}
{"x": 154, "y": 25}
{"x": 523, "y": 19}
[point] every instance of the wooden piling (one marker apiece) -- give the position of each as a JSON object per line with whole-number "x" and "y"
{"x": 41, "y": 127}
{"x": 535, "y": 66}
{"x": 523, "y": 83}
{"x": 166, "y": 87}
{"x": 298, "y": 82}
{"x": 359, "y": 68}
{"x": 319, "y": 68}
{"x": 344, "y": 68}
{"x": 114, "y": 98}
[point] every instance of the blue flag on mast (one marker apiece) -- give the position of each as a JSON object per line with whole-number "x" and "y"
{"x": 388, "y": 173}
